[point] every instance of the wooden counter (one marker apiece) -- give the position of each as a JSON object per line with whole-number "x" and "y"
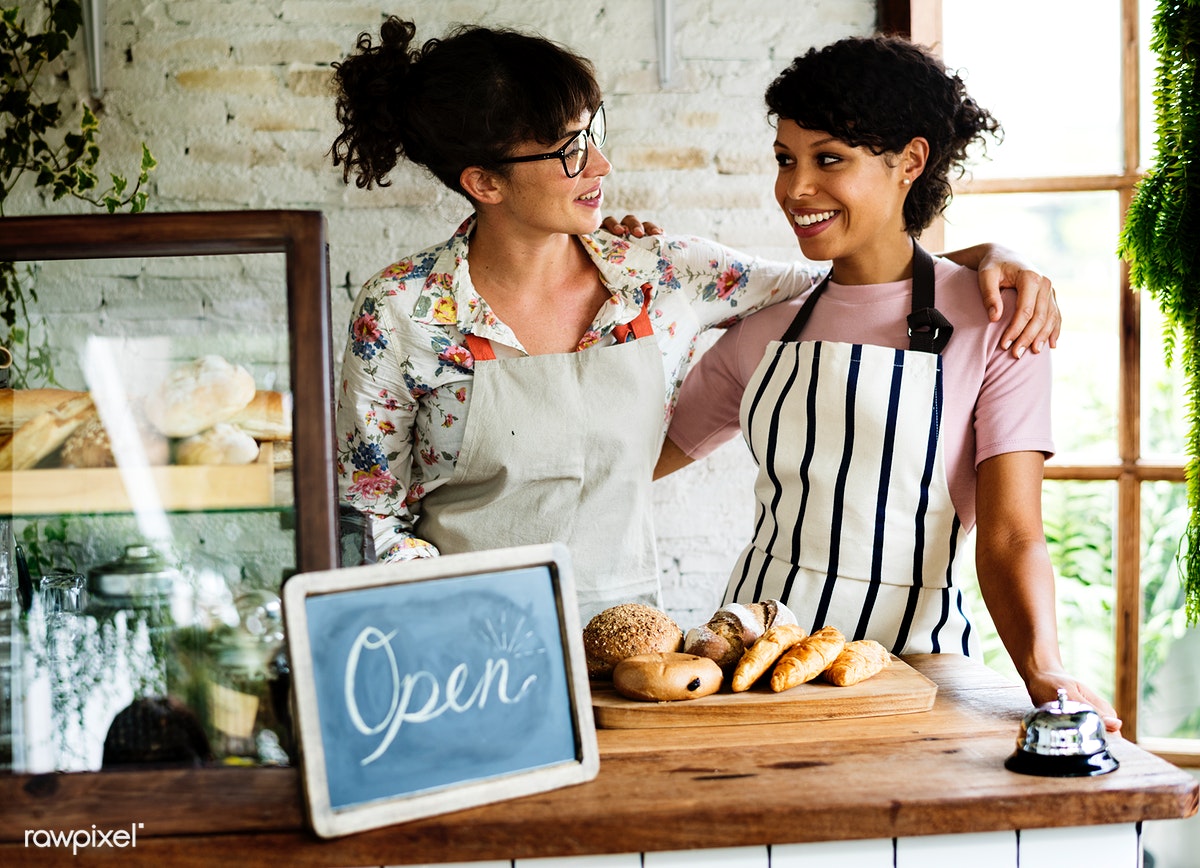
{"x": 927, "y": 773}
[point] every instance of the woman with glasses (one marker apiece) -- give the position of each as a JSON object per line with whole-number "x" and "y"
{"x": 512, "y": 384}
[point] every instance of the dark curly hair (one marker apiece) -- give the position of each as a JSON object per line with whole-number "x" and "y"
{"x": 465, "y": 99}
{"x": 881, "y": 92}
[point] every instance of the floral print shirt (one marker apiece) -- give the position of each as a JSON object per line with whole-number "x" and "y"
{"x": 406, "y": 376}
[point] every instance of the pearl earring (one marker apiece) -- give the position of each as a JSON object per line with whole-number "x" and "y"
{"x": 907, "y": 181}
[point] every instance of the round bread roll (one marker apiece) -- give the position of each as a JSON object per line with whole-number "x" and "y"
{"x": 220, "y": 444}
{"x": 198, "y": 395}
{"x": 624, "y": 631}
{"x": 667, "y": 676}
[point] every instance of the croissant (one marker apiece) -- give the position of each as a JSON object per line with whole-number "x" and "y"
{"x": 858, "y": 661}
{"x": 763, "y": 653}
{"x": 807, "y": 659}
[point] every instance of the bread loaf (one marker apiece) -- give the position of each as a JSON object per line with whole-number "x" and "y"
{"x": 199, "y": 395}
{"x": 858, "y": 661}
{"x": 268, "y": 416}
{"x": 667, "y": 676}
{"x": 807, "y": 659}
{"x": 90, "y": 446}
{"x": 45, "y": 432}
{"x": 626, "y": 631}
{"x": 220, "y": 444}
{"x": 734, "y": 628}
{"x": 18, "y": 406}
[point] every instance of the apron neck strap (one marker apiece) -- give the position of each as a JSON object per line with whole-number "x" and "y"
{"x": 928, "y": 330}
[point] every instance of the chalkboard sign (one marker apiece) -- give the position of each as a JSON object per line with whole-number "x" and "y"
{"x": 437, "y": 684}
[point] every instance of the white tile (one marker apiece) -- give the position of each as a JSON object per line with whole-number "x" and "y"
{"x": 1095, "y": 846}
{"x": 974, "y": 849}
{"x": 873, "y": 853}
{"x": 603, "y": 860}
{"x": 721, "y": 857}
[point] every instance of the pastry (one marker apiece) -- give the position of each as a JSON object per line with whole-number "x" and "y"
{"x": 807, "y": 659}
{"x": 667, "y": 676}
{"x": 268, "y": 416}
{"x": 734, "y": 628}
{"x": 198, "y": 395}
{"x": 625, "y": 631}
{"x": 858, "y": 661}
{"x": 45, "y": 432}
{"x": 762, "y": 655}
{"x": 18, "y": 406}
{"x": 220, "y": 444}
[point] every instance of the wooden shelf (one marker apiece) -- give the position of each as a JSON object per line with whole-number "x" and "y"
{"x": 173, "y": 488}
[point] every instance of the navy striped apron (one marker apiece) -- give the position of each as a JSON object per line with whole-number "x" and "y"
{"x": 854, "y": 524}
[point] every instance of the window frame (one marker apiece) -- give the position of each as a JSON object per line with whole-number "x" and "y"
{"x": 921, "y": 20}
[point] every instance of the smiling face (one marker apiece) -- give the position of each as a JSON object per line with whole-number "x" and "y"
{"x": 845, "y": 203}
{"x": 540, "y": 196}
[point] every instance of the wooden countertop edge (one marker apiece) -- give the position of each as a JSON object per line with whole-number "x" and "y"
{"x": 777, "y": 784}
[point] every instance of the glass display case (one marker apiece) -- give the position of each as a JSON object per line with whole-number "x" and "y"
{"x": 165, "y": 449}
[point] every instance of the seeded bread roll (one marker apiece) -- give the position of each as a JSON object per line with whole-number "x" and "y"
{"x": 198, "y": 395}
{"x": 667, "y": 676}
{"x": 626, "y": 631}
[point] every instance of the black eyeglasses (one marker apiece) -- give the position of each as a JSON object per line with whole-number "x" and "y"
{"x": 573, "y": 154}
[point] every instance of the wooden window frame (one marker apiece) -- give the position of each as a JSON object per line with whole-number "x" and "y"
{"x": 922, "y": 21}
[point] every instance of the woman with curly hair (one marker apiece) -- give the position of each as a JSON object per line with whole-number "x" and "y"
{"x": 884, "y": 417}
{"x": 512, "y": 385}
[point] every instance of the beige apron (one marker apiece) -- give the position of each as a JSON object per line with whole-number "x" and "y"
{"x": 561, "y": 447}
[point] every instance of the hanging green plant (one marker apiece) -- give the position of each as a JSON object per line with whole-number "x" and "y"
{"x": 62, "y": 163}
{"x": 1161, "y": 236}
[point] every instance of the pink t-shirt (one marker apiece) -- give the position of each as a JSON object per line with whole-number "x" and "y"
{"x": 993, "y": 403}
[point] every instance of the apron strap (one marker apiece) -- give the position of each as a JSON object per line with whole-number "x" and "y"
{"x": 480, "y": 348}
{"x": 928, "y": 330}
{"x": 639, "y": 326}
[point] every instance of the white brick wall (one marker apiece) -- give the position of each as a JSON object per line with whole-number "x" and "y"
{"x": 230, "y": 96}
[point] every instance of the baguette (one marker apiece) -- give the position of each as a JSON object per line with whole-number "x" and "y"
{"x": 268, "y": 416}
{"x": 45, "y": 432}
{"x": 18, "y": 406}
{"x": 760, "y": 656}
{"x": 858, "y": 661}
{"x": 807, "y": 659}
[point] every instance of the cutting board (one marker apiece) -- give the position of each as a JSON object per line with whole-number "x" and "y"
{"x": 898, "y": 689}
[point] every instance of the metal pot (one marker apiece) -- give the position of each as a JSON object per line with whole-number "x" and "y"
{"x": 1062, "y": 739}
{"x": 142, "y": 578}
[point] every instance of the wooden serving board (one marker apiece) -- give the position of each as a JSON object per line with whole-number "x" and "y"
{"x": 898, "y": 689}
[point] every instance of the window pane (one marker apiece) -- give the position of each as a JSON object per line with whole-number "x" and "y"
{"x": 1170, "y": 652}
{"x": 1057, "y": 98}
{"x": 1078, "y": 517}
{"x": 1072, "y": 238}
{"x": 1164, "y": 392}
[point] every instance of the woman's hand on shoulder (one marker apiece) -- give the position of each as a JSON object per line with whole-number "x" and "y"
{"x": 631, "y": 225}
{"x": 1037, "y": 321}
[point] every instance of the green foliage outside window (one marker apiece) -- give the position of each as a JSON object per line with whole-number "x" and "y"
{"x": 1161, "y": 235}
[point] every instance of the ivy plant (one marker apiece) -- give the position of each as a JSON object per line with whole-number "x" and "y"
{"x": 1160, "y": 238}
{"x": 59, "y": 159}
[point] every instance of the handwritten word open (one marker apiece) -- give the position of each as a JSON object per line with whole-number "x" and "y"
{"x": 458, "y": 697}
